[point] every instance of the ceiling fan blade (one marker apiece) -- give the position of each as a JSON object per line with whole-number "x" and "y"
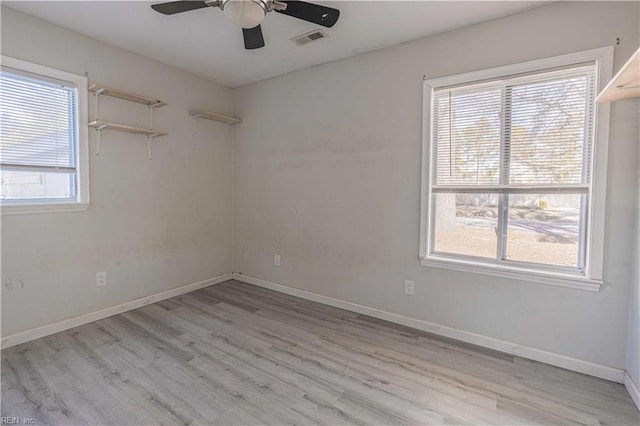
{"x": 253, "y": 38}
{"x": 174, "y": 7}
{"x": 321, "y": 15}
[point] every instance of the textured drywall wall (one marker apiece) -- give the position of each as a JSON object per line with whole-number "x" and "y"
{"x": 152, "y": 225}
{"x": 633, "y": 346}
{"x": 327, "y": 175}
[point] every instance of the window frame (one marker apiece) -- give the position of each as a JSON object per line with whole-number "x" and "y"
{"x": 591, "y": 278}
{"x": 81, "y": 202}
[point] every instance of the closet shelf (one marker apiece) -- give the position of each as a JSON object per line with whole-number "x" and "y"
{"x": 625, "y": 84}
{"x": 214, "y": 116}
{"x": 101, "y": 89}
{"x": 100, "y": 125}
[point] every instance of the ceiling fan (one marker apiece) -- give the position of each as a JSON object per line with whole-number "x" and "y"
{"x": 249, "y": 13}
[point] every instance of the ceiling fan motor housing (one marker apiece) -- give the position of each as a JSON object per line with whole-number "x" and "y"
{"x": 248, "y": 13}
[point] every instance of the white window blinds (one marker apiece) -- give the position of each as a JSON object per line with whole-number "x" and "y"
{"x": 38, "y": 123}
{"x": 467, "y": 136}
{"x": 523, "y": 131}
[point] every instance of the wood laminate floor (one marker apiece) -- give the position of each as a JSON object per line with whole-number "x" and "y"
{"x": 239, "y": 354}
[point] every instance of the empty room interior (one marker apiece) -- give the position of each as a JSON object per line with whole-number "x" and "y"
{"x": 247, "y": 212}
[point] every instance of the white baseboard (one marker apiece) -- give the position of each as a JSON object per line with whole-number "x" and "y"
{"x": 632, "y": 388}
{"x": 573, "y": 364}
{"x": 596, "y": 370}
{"x": 35, "y": 333}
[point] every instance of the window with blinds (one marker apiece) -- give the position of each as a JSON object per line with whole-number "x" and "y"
{"x": 38, "y": 138}
{"x": 511, "y": 169}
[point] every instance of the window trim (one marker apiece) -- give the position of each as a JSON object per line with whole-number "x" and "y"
{"x": 83, "y": 196}
{"x": 592, "y": 277}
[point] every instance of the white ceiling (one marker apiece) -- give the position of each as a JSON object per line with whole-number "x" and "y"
{"x": 205, "y": 43}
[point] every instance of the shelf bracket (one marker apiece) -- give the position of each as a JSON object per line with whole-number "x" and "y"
{"x": 195, "y": 121}
{"x": 96, "y": 96}
{"x": 149, "y": 145}
{"x": 151, "y": 108}
{"x": 98, "y": 132}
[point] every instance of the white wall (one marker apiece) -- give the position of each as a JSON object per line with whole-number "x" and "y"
{"x": 633, "y": 344}
{"x": 327, "y": 174}
{"x": 152, "y": 225}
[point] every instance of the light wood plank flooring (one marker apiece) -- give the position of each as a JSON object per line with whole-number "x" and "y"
{"x": 236, "y": 354}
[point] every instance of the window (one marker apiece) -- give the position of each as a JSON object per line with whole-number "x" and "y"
{"x": 43, "y": 139}
{"x": 514, "y": 170}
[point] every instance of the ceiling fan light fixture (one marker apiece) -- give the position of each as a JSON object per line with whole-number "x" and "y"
{"x": 248, "y": 14}
{"x": 245, "y": 13}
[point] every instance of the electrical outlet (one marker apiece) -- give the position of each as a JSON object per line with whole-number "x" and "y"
{"x": 409, "y": 287}
{"x": 276, "y": 260}
{"x": 101, "y": 279}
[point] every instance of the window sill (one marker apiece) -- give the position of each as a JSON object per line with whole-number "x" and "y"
{"x": 514, "y": 273}
{"x": 28, "y": 208}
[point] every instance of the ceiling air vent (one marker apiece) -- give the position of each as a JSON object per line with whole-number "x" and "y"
{"x": 309, "y": 37}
